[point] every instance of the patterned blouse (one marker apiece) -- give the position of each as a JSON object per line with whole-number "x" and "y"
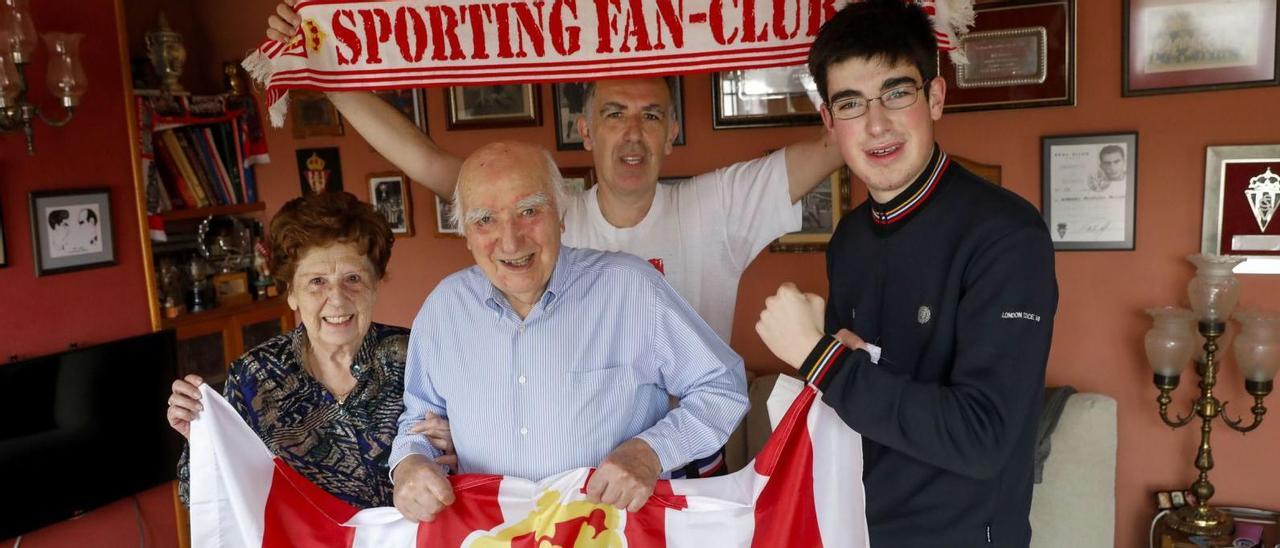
{"x": 340, "y": 447}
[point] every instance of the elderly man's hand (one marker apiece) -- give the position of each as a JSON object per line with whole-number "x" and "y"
{"x": 791, "y": 324}
{"x": 436, "y": 428}
{"x": 184, "y": 404}
{"x": 626, "y": 477}
{"x": 421, "y": 490}
{"x": 283, "y": 25}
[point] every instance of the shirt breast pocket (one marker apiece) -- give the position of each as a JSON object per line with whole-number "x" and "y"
{"x": 591, "y": 391}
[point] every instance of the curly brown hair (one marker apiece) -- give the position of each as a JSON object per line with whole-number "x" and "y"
{"x": 322, "y": 219}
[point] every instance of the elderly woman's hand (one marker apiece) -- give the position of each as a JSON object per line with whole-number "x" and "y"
{"x": 436, "y": 428}
{"x": 184, "y": 404}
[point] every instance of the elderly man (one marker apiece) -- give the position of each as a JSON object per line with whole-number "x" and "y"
{"x": 547, "y": 358}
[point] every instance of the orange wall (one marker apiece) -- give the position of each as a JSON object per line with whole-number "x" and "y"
{"x": 1100, "y": 323}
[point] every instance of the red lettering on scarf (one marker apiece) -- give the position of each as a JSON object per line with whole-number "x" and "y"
{"x": 559, "y": 32}
{"x": 474, "y": 11}
{"x": 345, "y": 36}
{"x": 444, "y": 24}
{"x": 377, "y": 31}
{"x": 717, "y": 24}
{"x": 404, "y": 18}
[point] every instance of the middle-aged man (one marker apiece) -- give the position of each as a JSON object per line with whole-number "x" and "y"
{"x": 547, "y": 358}
{"x": 942, "y": 300}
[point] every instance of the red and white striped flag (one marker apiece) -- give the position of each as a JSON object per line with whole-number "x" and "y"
{"x": 804, "y": 489}
{"x": 392, "y": 44}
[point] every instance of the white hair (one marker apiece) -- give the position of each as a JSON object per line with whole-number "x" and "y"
{"x": 458, "y": 216}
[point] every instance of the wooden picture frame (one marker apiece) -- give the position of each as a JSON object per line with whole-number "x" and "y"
{"x": 822, "y": 208}
{"x": 1021, "y": 54}
{"x": 410, "y": 102}
{"x": 319, "y": 170}
{"x": 487, "y": 107}
{"x": 1178, "y": 46}
{"x": 768, "y": 97}
{"x": 445, "y": 227}
{"x": 391, "y": 194}
{"x": 568, "y": 104}
{"x": 71, "y": 230}
{"x": 313, "y": 115}
{"x": 1089, "y": 190}
{"x": 231, "y": 288}
{"x": 578, "y": 179}
{"x": 1241, "y": 195}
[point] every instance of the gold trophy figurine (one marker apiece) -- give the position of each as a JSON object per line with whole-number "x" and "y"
{"x": 167, "y": 54}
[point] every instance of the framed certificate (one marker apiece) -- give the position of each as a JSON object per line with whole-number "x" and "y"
{"x": 1241, "y": 195}
{"x": 1175, "y": 46}
{"x": 1089, "y": 186}
{"x": 1020, "y": 54}
{"x": 764, "y": 97}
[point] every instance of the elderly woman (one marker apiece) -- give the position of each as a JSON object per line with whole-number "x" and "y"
{"x": 324, "y": 397}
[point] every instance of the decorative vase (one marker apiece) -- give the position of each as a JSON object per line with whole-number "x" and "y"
{"x": 1214, "y": 290}
{"x": 1257, "y": 347}
{"x": 1171, "y": 340}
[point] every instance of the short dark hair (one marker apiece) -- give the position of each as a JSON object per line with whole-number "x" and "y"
{"x": 1111, "y": 149}
{"x": 591, "y": 92}
{"x": 57, "y": 216}
{"x": 891, "y": 31}
{"x": 91, "y": 216}
{"x": 322, "y": 219}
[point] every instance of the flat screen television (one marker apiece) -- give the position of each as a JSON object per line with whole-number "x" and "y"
{"x": 83, "y": 428}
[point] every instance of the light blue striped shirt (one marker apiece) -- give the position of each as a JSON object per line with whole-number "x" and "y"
{"x": 589, "y": 368}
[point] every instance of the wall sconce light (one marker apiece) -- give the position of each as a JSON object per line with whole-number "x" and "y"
{"x": 1171, "y": 344}
{"x": 65, "y": 77}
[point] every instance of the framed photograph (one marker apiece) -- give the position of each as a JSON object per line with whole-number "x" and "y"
{"x": 445, "y": 227}
{"x": 821, "y": 210}
{"x": 1021, "y": 54}
{"x": 764, "y": 97}
{"x": 476, "y": 107}
{"x": 570, "y": 104}
{"x": 1241, "y": 195}
{"x": 1163, "y": 502}
{"x": 71, "y": 230}
{"x": 319, "y": 170}
{"x": 1175, "y": 46}
{"x": 391, "y": 195}
{"x": 578, "y": 179}
{"x": 313, "y": 115}
{"x": 1089, "y": 190}
{"x": 410, "y": 102}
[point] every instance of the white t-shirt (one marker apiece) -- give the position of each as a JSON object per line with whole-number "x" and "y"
{"x": 701, "y": 233}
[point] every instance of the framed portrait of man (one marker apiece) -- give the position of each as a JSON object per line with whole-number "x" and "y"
{"x": 1089, "y": 190}
{"x": 71, "y": 230}
{"x": 390, "y": 195}
{"x": 474, "y": 107}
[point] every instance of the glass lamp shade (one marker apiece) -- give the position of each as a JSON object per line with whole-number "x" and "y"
{"x": 66, "y": 77}
{"x": 15, "y": 17}
{"x": 1171, "y": 340}
{"x": 1257, "y": 347}
{"x": 1214, "y": 290}
{"x": 10, "y": 84}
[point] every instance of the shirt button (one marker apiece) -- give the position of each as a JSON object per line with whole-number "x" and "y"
{"x": 524, "y": 431}
{"x": 522, "y": 379}
{"x": 520, "y": 329}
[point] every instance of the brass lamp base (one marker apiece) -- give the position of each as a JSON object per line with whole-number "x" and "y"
{"x": 1200, "y": 520}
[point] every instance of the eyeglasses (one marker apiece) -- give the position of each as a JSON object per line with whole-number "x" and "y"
{"x": 895, "y": 99}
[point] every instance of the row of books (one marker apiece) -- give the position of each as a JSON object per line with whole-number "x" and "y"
{"x": 201, "y": 166}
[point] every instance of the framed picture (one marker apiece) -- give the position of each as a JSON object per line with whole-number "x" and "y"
{"x": 570, "y": 99}
{"x": 319, "y": 170}
{"x": 821, "y": 210}
{"x": 1089, "y": 190}
{"x": 578, "y": 179}
{"x": 764, "y": 97}
{"x": 474, "y": 107}
{"x": 1241, "y": 195}
{"x": 4, "y": 253}
{"x": 391, "y": 195}
{"x": 445, "y": 226}
{"x": 313, "y": 115}
{"x": 410, "y": 102}
{"x": 1021, "y": 54}
{"x": 71, "y": 230}
{"x": 1175, "y": 46}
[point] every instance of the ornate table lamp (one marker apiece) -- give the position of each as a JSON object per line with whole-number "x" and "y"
{"x": 1170, "y": 344}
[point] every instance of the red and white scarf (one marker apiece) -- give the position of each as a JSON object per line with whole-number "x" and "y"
{"x": 393, "y": 44}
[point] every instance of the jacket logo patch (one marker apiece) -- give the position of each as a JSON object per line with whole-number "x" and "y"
{"x": 1019, "y": 316}
{"x": 924, "y": 315}
{"x": 853, "y": 313}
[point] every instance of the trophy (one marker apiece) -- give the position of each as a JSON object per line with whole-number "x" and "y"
{"x": 167, "y": 54}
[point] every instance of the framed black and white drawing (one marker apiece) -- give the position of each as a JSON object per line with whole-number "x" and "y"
{"x": 1089, "y": 186}
{"x": 71, "y": 230}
